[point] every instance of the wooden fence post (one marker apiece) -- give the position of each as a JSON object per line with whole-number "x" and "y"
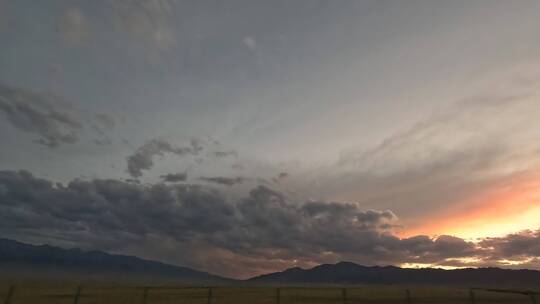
{"x": 408, "y": 296}
{"x": 472, "y": 297}
{"x": 77, "y": 295}
{"x": 145, "y": 295}
{"x": 344, "y": 295}
{"x": 533, "y": 298}
{"x": 10, "y": 293}
{"x": 209, "y": 295}
{"x": 278, "y": 295}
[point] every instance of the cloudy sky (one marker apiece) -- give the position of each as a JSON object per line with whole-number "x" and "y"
{"x": 243, "y": 137}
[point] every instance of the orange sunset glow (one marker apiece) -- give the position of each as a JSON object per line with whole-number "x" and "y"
{"x": 508, "y": 209}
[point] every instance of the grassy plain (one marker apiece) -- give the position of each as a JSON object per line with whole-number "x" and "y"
{"x": 66, "y": 294}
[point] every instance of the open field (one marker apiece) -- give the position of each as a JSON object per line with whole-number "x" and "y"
{"x": 36, "y": 294}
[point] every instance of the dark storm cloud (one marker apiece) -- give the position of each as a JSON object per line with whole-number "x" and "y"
{"x": 517, "y": 245}
{"x": 54, "y": 120}
{"x": 225, "y": 181}
{"x": 174, "y": 177}
{"x": 424, "y": 249}
{"x": 265, "y": 223}
{"x": 109, "y": 207}
{"x": 265, "y": 226}
{"x": 143, "y": 157}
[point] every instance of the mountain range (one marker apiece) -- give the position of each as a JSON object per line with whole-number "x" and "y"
{"x": 346, "y": 273}
{"x": 24, "y": 261}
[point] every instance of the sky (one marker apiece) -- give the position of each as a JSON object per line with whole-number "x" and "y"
{"x": 246, "y": 137}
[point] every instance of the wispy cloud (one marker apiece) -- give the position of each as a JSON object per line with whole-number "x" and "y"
{"x": 442, "y": 163}
{"x": 54, "y": 120}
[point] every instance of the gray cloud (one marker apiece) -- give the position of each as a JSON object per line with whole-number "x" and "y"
{"x": 525, "y": 244}
{"x": 237, "y": 166}
{"x": 102, "y": 141}
{"x": 105, "y": 121}
{"x": 221, "y": 154}
{"x": 53, "y": 119}
{"x": 174, "y": 177}
{"x": 225, "y": 181}
{"x": 102, "y": 124}
{"x": 266, "y": 227}
{"x": 42, "y": 114}
{"x": 143, "y": 157}
{"x": 196, "y": 145}
{"x": 280, "y": 177}
{"x": 423, "y": 249}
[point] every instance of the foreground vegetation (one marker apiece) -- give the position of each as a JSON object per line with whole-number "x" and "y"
{"x": 37, "y": 294}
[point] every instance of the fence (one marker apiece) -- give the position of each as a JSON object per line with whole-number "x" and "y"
{"x": 266, "y": 295}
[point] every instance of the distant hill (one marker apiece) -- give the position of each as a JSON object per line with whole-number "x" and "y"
{"x": 24, "y": 261}
{"x": 350, "y": 273}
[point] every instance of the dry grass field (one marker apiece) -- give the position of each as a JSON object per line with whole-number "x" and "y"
{"x": 67, "y": 294}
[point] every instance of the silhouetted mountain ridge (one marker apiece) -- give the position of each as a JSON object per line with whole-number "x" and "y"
{"x": 16, "y": 256}
{"x": 39, "y": 261}
{"x": 351, "y": 273}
